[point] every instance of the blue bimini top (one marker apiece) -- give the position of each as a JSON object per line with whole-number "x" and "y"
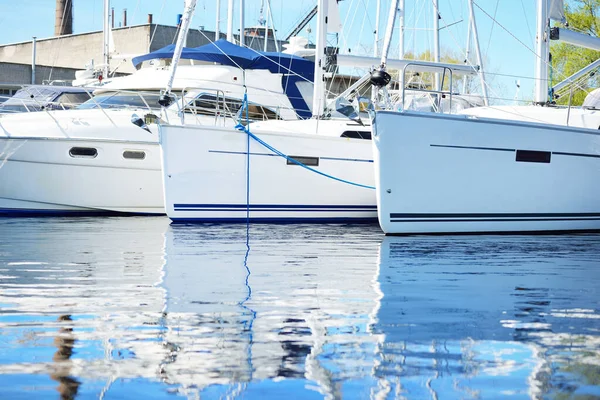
{"x": 227, "y": 53}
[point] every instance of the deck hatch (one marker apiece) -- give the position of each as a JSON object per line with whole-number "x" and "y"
{"x": 83, "y": 152}
{"x": 134, "y": 155}
{"x": 533, "y": 156}
{"x": 310, "y": 161}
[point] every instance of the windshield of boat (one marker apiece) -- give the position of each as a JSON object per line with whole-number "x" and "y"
{"x": 123, "y": 100}
{"x": 33, "y": 98}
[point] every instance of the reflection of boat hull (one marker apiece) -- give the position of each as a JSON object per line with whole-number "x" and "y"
{"x": 442, "y": 173}
{"x": 206, "y": 177}
{"x": 40, "y": 176}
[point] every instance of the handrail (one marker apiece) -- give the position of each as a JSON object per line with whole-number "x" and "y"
{"x": 440, "y": 92}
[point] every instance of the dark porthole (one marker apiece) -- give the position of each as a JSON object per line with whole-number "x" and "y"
{"x": 85, "y": 152}
{"x": 357, "y": 135}
{"x": 134, "y": 155}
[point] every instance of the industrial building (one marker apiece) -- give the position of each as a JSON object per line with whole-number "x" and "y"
{"x": 56, "y": 59}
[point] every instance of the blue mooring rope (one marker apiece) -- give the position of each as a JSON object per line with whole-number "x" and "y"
{"x": 246, "y": 129}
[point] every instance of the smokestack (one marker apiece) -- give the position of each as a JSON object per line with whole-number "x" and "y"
{"x": 112, "y": 17}
{"x": 124, "y": 17}
{"x": 63, "y": 21}
{"x": 150, "y": 18}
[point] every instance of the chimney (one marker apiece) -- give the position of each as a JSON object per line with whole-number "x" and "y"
{"x": 112, "y": 18}
{"x": 124, "y": 17}
{"x": 150, "y": 18}
{"x": 63, "y": 21}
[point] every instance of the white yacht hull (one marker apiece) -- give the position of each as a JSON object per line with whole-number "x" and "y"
{"x": 206, "y": 178}
{"x": 39, "y": 176}
{"x": 455, "y": 174}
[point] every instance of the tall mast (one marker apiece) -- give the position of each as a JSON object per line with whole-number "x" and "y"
{"x": 387, "y": 39}
{"x": 270, "y": 16}
{"x": 478, "y": 52}
{"x": 217, "y": 32}
{"x": 436, "y": 40}
{"x": 401, "y": 32}
{"x": 242, "y": 41}
{"x": 467, "y": 54}
{"x": 376, "y": 39}
{"x": 106, "y": 40}
{"x": 186, "y": 20}
{"x": 401, "y": 38}
{"x": 230, "y": 21}
{"x": 542, "y": 53}
{"x": 320, "y": 47}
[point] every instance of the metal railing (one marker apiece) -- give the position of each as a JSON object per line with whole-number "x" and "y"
{"x": 438, "y": 95}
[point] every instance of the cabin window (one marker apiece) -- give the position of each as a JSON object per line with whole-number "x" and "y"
{"x": 134, "y": 155}
{"x": 309, "y": 161}
{"x": 366, "y": 135}
{"x": 533, "y": 156}
{"x": 256, "y": 112}
{"x": 207, "y": 104}
{"x": 83, "y": 152}
{"x": 122, "y": 100}
{"x": 70, "y": 100}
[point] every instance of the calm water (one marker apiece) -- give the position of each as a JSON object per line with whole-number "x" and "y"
{"x": 119, "y": 308}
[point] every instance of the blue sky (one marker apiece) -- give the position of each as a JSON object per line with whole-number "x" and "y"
{"x": 503, "y": 53}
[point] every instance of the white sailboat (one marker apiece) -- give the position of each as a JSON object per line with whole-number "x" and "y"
{"x": 273, "y": 171}
{"x": 493, "y": 169}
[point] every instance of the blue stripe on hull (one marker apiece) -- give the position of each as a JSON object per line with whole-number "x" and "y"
{"x": 277, "y": 220}
{"x": 65, "y": 213}
{"x": 258, "y": 207}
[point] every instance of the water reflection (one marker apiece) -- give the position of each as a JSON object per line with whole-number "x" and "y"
{"x": 64, "y": 342}
{"x": 490, "y": 316}
{"x": 275, "y": 317}
{"x": 134, "y": 307}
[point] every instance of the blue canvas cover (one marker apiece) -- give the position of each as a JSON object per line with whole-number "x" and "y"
{"x": 227, "y": 53}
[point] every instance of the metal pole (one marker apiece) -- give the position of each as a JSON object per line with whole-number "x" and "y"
{"x": 387, "y": 39}
{"x": 478, "y": 52}
{"x": 242, "y": 41}
{"x": 401, "y": 39}
{"x": 33, "y": 56}
{"x": 230, "y": 21}
{"x": 320, "y": 47}
{"x": 542, "y": 53}
{"x": 376, "y": 39}
{"x": 186, "y": 20}
{"x": 467, "y": 55}
{"x": 270, "y": 15}
{"x": 266, "y": 35}
{"x": 266, "y": 21}
{"x": 106, "y": 42}
{"x": 217, "y": 33}
{"x": 436, "y": 40}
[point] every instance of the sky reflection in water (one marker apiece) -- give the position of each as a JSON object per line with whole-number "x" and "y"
{"x": 134, "y": 307}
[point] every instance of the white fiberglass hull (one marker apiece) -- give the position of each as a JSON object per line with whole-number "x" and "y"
{"x": 456, "y": 174}
{"x": 206, "y": 176}
{"x": 39, "y": 176}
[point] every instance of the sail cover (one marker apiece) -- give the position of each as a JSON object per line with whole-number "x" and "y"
{"x": 227, "y": 53}
{"x": 556, "y": 10}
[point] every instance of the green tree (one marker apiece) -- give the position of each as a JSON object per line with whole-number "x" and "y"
{"x": 582, "y": 16}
